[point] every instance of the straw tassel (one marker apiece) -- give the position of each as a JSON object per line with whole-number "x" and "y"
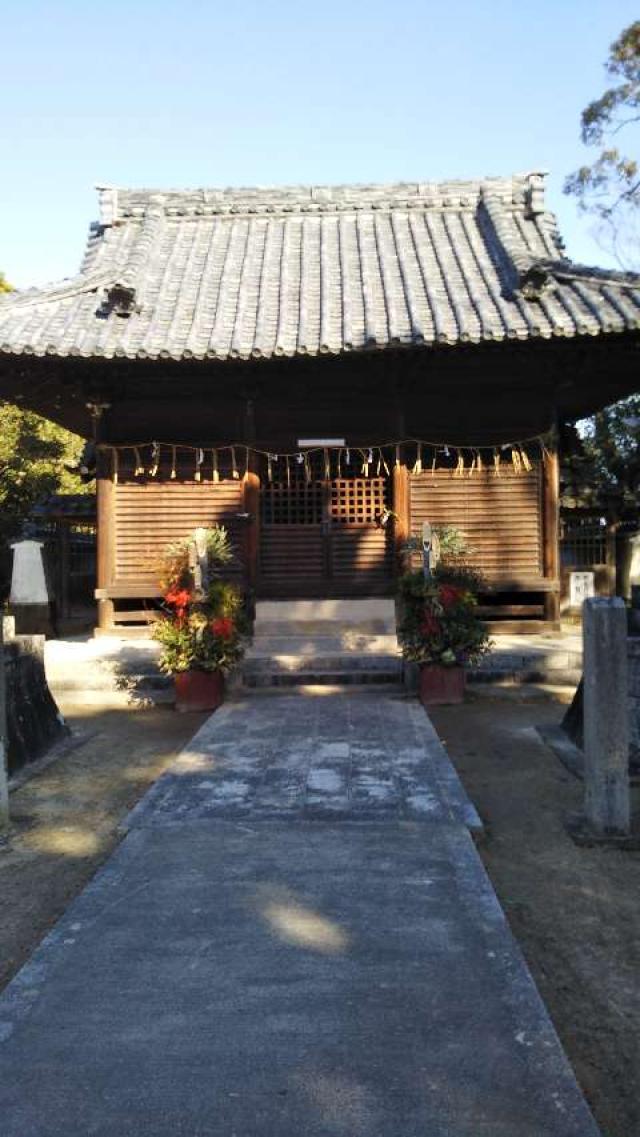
{"x": 139, "y": 471}
{"x": 524, "y": 458}
{"x": 234, "y": 469}
{"x": 215, "y": 473}
{"x": 173, "y": 464}
{"x": 115, "y": 466}
{"x": 327, "y": 465}
{"x": 155, "y": 459}
{"x": 199, "y": 461}
{"x": 288, "y": 469}
{"x": 496, "y": 462}
{"x": 417, "y": 467}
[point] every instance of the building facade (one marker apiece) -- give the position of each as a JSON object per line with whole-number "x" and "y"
{"x": 321, "y": 369}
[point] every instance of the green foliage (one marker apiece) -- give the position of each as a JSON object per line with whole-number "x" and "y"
{"x": 175, "y": 572}
{"x": 606, "y": 472}
{"x": 32, "y": 456}
{"x": 609, "y": 188}
{"x": 440, "y": 622}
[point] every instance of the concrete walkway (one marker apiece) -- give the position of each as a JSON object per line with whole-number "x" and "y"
{"x": 296, "y": 936}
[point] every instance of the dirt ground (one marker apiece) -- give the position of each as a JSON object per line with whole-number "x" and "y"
{"x": 575, "y": 911}
{"x": 65, "y": 816}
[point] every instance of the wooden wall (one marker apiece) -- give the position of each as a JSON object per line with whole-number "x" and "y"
{"x": 136, "y": 522}
{"x": 501, "y": 518}
{"x": 151, "y": 515}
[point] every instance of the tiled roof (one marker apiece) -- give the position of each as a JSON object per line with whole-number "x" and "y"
{"x": 252, "y": 273}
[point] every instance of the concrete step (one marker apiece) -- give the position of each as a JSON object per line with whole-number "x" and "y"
{"x": 272, "y": 680}
{"x": 279, "y": 628}
{"x": 338, "y": 661}
{"x": 348, "y": 642}
{"x": 378, "y": 612}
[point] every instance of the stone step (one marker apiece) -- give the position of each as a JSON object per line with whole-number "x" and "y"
{"x": 345, "y": 643}
{"x": 271, "y": 680}
{"x": 340, "y": 661}
{"x": 377, "y": 610}
{"x": 324, "y": 628}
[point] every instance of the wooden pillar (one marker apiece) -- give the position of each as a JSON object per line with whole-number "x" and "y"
{"x": 106, "y": 521}
{"x": 551, "y": 532}
{"x": 252, "y": 541}
{"x": 402, "y": 510}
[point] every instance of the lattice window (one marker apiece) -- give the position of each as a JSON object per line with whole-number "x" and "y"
{"x": 357, "y": 501}
{"x": 301, "y": 503}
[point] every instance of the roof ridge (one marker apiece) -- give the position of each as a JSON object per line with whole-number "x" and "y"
{"x": 524, "y": 191}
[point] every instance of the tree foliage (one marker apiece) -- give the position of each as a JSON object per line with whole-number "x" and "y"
{"x": 605, "y": 471}
{"x": 33, "y": 453}
{"x": 609, "y": 188}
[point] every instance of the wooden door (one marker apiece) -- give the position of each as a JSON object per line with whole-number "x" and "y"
{"x": 325, "y": 538}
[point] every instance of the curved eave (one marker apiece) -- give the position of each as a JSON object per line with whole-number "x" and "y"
{"x": 75, "y": 351}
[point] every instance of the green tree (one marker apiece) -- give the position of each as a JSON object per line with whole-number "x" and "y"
{"x": 33, "y": 453}
{"x": 605, "y": 471}
{"x": 609, "y": 188}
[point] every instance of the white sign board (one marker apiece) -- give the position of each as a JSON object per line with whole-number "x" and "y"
{"x": 581, "y": 587}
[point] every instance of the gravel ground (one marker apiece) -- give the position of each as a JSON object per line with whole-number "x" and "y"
{"x": 574, "y": 911}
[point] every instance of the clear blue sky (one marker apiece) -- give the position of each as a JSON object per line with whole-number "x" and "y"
{"x": 241, "y": 93}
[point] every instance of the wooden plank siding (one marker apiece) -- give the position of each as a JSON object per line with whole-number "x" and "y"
{"x": 500, "y": 518}
{"x": 151, "y": 515}
{"x": 504, "y": 520}
{"x": 140, "y": 518}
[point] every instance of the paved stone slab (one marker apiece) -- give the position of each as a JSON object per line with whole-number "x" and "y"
{"x": 356, "y": 756}
{"x": 254, "y": 980}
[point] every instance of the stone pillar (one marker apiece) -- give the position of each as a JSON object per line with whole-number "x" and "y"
{"x": 606, "y": 717}
{"x": 4, "y": 745}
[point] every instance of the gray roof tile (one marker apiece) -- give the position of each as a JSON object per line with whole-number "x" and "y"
{"x": 253, "y": 273}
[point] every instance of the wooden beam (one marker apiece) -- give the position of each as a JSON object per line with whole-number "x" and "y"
{"x": 551, "y": 532}
{"x": 402, "y": 510}
{"x": 252, "y": 538}
{"x": 106, "y": 515}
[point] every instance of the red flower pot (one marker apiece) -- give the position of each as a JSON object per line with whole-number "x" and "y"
{"x": 440, "y": 685}
{"x": 199, "y": 690}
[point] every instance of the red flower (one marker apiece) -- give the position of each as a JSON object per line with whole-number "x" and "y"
{"x": 223, "y": 627}
{"x": 449, "y": 595}
{"x": 178, "y": 598}
{"x": 430, "y": 626}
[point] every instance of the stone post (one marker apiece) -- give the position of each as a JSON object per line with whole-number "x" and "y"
{"x": 606, "y": 717}
{"x": 4, "y": 744}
